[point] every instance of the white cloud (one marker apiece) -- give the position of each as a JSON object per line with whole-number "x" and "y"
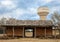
{"x": 32, "y": 10}
{"x": 47, "y": 1}
{"x": 24, "y": 11}
{"x": 14, "y": 14}
{"x": 55, "y": 8}
{"x": 43, "y": 2}
{"x": 57, "y": 1}
{"x": 19, "y": 12}
{"x": 7, "y": 3}
{"x": 52, "y": 10}
{"x": 7, "y": 15}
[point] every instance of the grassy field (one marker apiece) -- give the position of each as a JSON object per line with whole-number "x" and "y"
{"x": 30, "y": 40}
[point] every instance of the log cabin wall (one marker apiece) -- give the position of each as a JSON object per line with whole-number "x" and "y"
{"x": 9, "y": 31}
{"x": 49, "y": 31}
{"x": 18, "y": 31}
{"x": 40, "y": 31}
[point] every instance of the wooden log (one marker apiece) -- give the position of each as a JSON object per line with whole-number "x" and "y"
{"x": 23, "y": 32}
{"x": 35, "y": 32}
{"x": 13, "y": 32}
{"x": 45, "y": 32}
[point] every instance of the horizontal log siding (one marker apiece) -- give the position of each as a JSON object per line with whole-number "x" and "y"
{"x": 18, "y": 31}
{"x": 9, "y": 31}
{"x": 49, "y": 31}
{"x": 40, "y": 32}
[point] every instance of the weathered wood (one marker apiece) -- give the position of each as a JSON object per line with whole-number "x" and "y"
{"x": 40, "y": 32}
{"x": 28, "y": 22}
{"x": 59, "y": 31}
{"x": 55, "y": 32}
{"x": 45, "y": 32}
{"x": 13, "y": 31}
{"x": 18, "y": 31}
{"x": 9, "y": 31}
{"x": 35, "y": 32}
{"x": 4, "y": 31}
{"x": 23, "y": 32}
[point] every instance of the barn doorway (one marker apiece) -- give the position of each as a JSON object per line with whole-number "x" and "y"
{"x": 29, "y": 32}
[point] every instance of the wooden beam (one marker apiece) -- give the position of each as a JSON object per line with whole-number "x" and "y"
{"x": 59, "y": 31}
{"x": 35, "y": 32}
{"x": 13, "y": 32}
{"x": 4, "y": 31}
{"x": 23, "y": 32}
{"x": 45, "y": 32}
{"x": 55, "y": 33}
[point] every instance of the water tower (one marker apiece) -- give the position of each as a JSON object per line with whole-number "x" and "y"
{"x": 43, "y": 12}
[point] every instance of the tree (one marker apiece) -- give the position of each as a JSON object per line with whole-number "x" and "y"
{"x": 3, "y": 20}
{"x": 11, "y": 21}
{"x": 55, "y": 17}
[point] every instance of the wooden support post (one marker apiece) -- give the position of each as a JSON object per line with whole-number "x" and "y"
{"x": 13, "y": 32}
{"x": 23, "y": 32}
{"x": 4, "y": 31}
{"x": 55, "y": 32}
{"x": 59, "y": 31}
{"x": 35, "y": 32}
{"x": 45, "y": 32}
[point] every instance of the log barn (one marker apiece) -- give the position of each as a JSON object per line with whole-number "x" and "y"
{"x": 27, "y": 28}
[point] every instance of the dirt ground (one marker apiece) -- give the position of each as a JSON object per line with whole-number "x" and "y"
{"x": 29, "y": 40}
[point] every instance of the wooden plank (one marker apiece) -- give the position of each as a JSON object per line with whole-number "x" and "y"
{"x": 13, "y": 31}
{"x": 4, "y": 31}
{"x": 35, "y": 32}
{"x": 45, "y": 32}
{"x": 23, "y": 32}
{"x": 55, "y": 33}
{"x": 18, "y": 31}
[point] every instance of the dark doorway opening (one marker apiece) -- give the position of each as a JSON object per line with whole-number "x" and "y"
{"x": 29, "y": 32}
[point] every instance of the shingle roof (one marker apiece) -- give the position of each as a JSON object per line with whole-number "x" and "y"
{"x": 29, "y": 22}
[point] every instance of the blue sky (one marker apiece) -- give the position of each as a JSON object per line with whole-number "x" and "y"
{"x": 26, "y": 9}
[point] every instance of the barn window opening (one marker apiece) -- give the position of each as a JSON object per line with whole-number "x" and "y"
{"x": 29, "y": 30}
{"x": 1, "y": 31}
